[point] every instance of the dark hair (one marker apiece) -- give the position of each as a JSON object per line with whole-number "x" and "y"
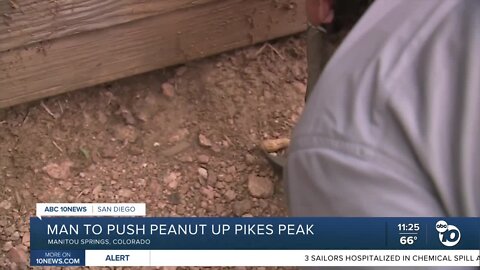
{"x": 347, "y": 13}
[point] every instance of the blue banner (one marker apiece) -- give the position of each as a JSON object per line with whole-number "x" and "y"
{"x": 106, "y": 233}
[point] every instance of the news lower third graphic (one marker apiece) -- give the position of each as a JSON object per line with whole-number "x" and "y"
{"x": 122, "y": 235}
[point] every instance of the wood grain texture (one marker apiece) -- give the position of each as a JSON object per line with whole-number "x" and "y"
{"x": 30, "y": 21}
{"x": 86, "y": 59}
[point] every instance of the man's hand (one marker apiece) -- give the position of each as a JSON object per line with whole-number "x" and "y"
{"x": 319, "y": 11}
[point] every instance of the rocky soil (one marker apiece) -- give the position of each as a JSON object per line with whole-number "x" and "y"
{"x": 184, "y": 140}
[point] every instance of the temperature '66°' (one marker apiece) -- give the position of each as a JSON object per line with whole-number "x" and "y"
{"x": 408, "y": 240}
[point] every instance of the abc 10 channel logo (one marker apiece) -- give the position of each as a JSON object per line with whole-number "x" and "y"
{"x": 449, "y": 235}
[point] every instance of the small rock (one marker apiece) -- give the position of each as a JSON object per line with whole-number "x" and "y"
{"x": 16, "y": 236}
{"x": 168, "y": 90}
{"x": 260, "y": 187}
{"x": 249, "y": 159}
{"x": 125, "y": 133}
{"x": 185, "y": 159}
{"x": 18, "y": 198}
{"x": 300, "y": 87}
{"x": 171, "y": 180}
{"x": 241, "y": 207}
{"x": 58, "y": 171}
{"x": 22, "y": 247}
{"x": 176, "y": 149}
{"x": 216, "y": 149}
{"x": 57, "y": 193}
{"x": 230, "y": 195}
{"x": 219, "y": 209}
{"x": 108, "y": 152}
{"x": 228, "y": 178}
{"x": 115, "y": 175}
{"x": 204, "y": 141}
{"x": 203, "y": 173}
{"x": 161, "y": 205}
{"x": 180, "y": 210}
{"x": 24, "y": 229}
{"x": 128, "y": 117}
{"x": 96, "y": 191}
{"x": 173, "y": 185}
{"x": 10, "y": 230}
{"x": 85, "y": 191}
{"x": 135, "y": 150}
{"x": 204, "y": 159}
{"x": 231, "y": 170}
{"x": 172, "y": 176}
{"x": 5, "y": 204}
{"x": 241, "y": 167}
{"x": 220, "y": 185}
{"x": 17, "y": 255}
{"x": 212, "y": 179}
{"x": 208, "y": 192}
{"x": 180, "y": 135}
{"x": 142, "y": 182}
{"x": 174, "y": 198}
{"x": 268, "y": 95}
{"x": 7, "y": 246}
{"x": 125, "y": 192}
{"x": 26, "y": 239}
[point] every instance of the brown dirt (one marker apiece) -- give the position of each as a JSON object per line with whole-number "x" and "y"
{"x": 184, "y": 140}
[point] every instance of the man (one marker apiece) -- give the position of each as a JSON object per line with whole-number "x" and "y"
{"x": 392, "y": 126}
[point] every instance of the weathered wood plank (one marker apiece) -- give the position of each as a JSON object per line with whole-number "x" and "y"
{"x": 30, "y": 21}
{"x": 94, "y": 57}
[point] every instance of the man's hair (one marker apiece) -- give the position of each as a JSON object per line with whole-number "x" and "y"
{"x": 347, "y": 13}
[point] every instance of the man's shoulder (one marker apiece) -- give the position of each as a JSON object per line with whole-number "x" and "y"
{"x": 375, "y": 90}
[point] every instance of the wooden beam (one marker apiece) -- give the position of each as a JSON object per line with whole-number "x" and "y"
{"x": 86, "y": 59}
{"x": 29, "y": 21}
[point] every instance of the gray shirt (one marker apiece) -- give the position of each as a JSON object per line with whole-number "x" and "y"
{"x": 392, "y": 127}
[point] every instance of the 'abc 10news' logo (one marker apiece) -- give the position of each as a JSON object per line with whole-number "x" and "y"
{"x": 449, "y": 235}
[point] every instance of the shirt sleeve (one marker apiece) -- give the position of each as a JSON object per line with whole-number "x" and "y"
{"x": 330, "y": 181}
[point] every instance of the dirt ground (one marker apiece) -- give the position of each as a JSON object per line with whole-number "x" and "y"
{"x": 184, "y": 140}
